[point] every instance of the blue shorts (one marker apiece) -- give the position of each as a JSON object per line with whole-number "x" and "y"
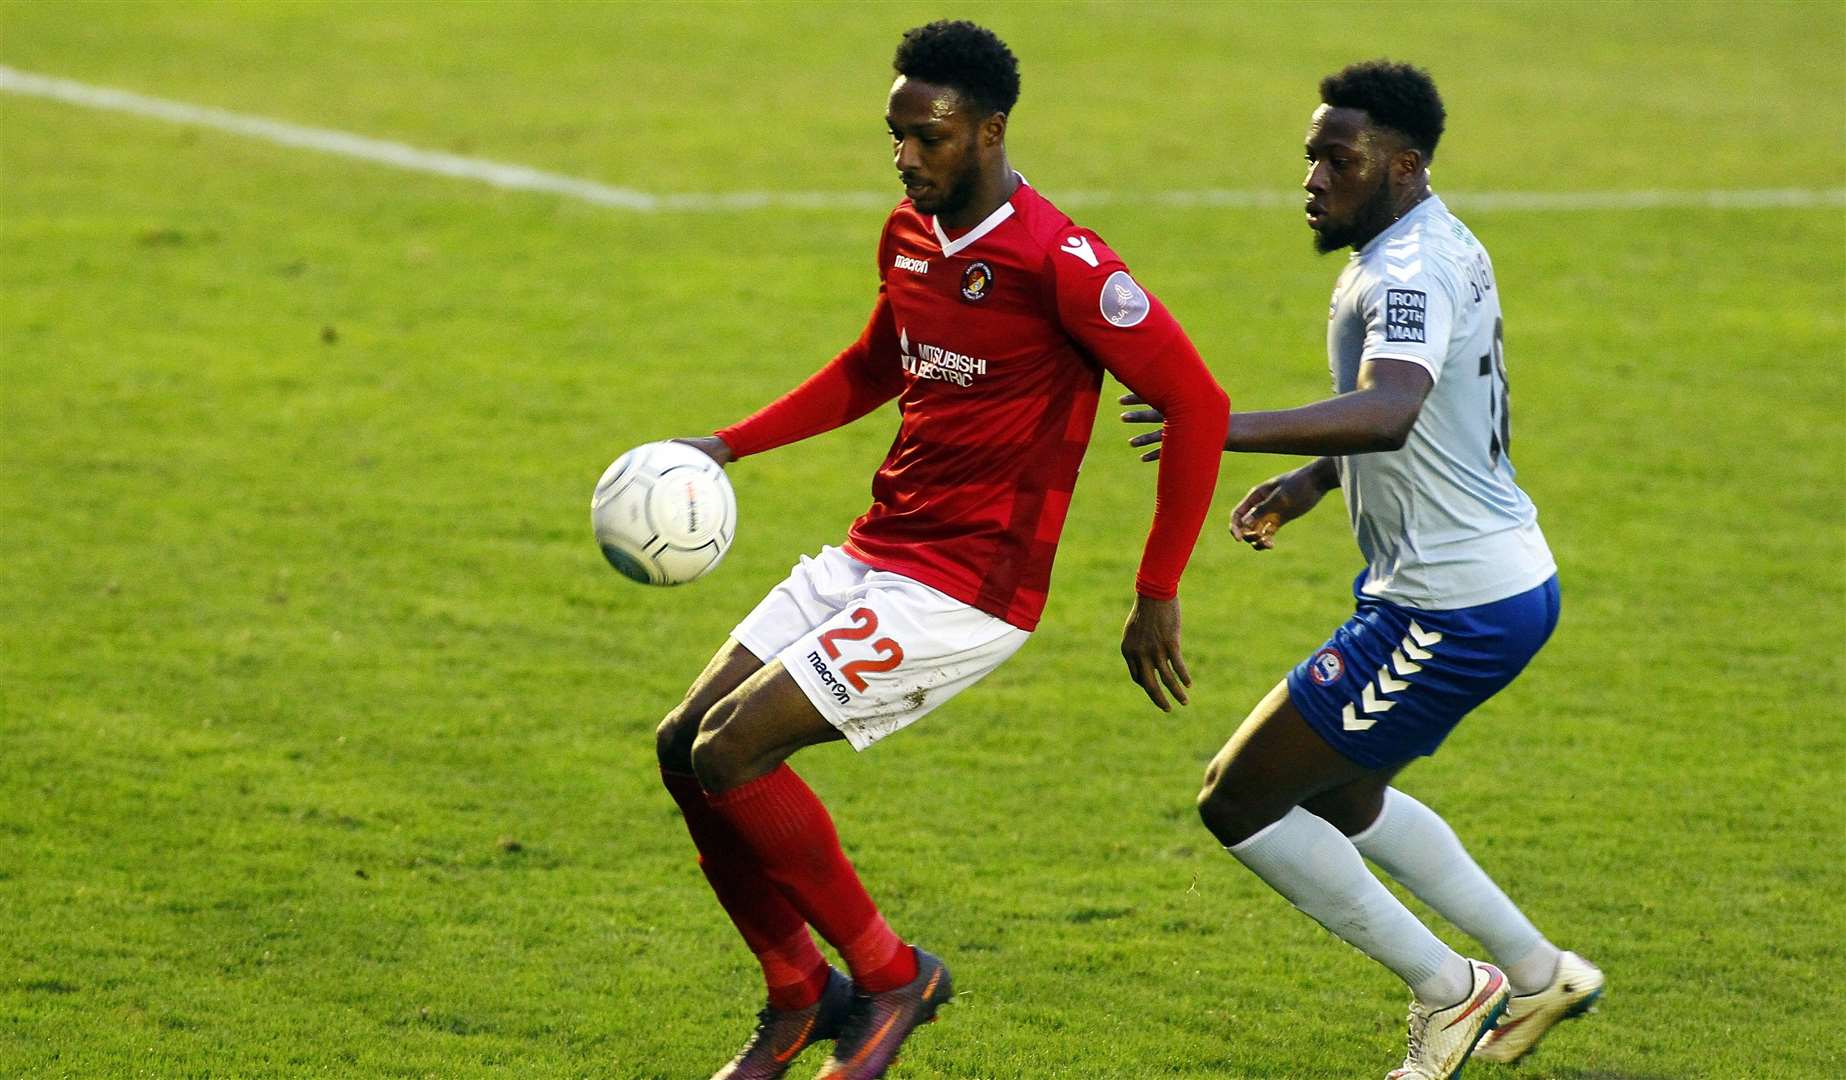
{"x": 1393, "y": 681}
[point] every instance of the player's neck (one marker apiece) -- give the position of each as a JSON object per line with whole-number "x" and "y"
{"x": 990, "y": 193}
{"x": 1411, "y": 200}
{"x": 1408, "y": 201}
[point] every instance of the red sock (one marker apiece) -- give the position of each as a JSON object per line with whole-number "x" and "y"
{"x": 793, "y": 969}
{"x": 788, "y": 830}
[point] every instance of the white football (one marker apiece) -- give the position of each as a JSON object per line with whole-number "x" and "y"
{"x": 664, "y": 513}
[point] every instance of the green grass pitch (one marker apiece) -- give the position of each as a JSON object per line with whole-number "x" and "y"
{"x": 326, "y": 735}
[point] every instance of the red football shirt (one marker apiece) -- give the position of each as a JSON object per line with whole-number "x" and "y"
{"x": 994, "y": 344}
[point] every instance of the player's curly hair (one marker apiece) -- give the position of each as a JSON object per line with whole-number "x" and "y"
{"x": 959, "y": 54}
{"x": 1396, "y": 96}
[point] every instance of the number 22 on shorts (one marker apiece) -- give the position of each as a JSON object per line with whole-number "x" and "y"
{"x": 865, "y": 624}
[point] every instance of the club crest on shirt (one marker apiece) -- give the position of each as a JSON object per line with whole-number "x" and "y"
{"x": 1327, "y": 666}
{"x": 976, "y": 281}
{"x": 1123, "y": 303}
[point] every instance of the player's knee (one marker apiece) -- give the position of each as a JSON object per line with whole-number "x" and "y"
{"x": 673, "y": 739}
{"x": 1217, "y": 799}
{"x": 1350, "y": 811}
{"x": 718, "y": 757}
{"x": 1212, "y": 772}
{"x": 1232, "y": 812}
{"x": 1213, "y": 804}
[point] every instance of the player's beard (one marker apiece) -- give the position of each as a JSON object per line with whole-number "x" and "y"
{"x": 1372, "y": 218}
{"x": 958, "y": 195}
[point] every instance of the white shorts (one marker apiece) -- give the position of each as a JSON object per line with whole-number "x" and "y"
{"x": 874, "y": 651}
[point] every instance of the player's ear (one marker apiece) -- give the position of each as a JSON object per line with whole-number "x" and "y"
{"x": 993, "y": 129}
{"x": 1408, "y": 163}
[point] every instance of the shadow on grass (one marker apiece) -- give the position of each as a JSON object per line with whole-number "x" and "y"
{"x": 1542, "y": 1073}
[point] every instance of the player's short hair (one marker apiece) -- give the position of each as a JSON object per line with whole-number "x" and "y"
{"x": 966, "y": 57}
{"x": 1397, "y": 96}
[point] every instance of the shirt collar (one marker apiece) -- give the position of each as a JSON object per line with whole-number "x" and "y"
{"x": 988, "y": 224}
{"x": 1404, "y": 224}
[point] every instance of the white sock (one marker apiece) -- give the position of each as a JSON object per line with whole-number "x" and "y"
{"x": 1413, "y": 844}
{"x": 1318, "y": 870}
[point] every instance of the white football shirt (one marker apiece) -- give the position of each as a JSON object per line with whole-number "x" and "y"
{"x": 1440, "y": 521}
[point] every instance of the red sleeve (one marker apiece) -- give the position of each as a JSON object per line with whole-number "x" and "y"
{"x": 1132, "y": 335}
{"x": 860, "y": 379}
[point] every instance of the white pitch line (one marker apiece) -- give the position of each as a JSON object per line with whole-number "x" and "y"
{"x": 525, "y": 178}
{"x": 379, "y": 151}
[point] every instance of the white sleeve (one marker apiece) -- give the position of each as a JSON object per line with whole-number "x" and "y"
{"x": 1407, "y": 320}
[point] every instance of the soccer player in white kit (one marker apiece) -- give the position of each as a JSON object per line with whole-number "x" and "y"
{"x": 1459, "y": 590}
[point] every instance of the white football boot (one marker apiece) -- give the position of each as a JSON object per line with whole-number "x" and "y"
{"x": 1573, "y": 992}
{"x": 1440, "y": 1039}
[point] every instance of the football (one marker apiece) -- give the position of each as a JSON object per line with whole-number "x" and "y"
{"x": 664, "y": 513}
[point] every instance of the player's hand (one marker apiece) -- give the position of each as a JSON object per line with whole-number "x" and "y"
{"x": 712, "y": 446}
{"x": 1144, "y": 416}
{"x": 1150, "y": 645}
{"x": 1272, "y": 504}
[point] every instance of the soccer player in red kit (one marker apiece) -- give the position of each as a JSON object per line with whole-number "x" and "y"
{"x": 994, "y": 321}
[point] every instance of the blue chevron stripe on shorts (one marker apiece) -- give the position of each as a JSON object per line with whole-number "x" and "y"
{"x": 1392, "y": 682}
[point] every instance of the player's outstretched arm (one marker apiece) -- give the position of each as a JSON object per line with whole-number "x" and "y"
{"x": 1376, "y": 416}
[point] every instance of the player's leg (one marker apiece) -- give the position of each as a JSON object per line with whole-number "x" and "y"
{"x": 752, "y": 730}
{"x": 724, "y": 672}
{"x": 892, "y": 653}
{"x": 1417, "y": 848}
{"x": 741, "y": 761}
{"x": 807, "y": 998}
{"x": 1273, "y": 763}
{"x": 1388, "y": 687}
{"x": 1251, "y": 802}
{"x": 1475, "y": 654}
{"x": 740, "y": 757}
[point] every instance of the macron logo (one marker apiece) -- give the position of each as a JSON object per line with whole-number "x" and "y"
{"x": 915, "y": 266}
{"x": 1080, "y": 247}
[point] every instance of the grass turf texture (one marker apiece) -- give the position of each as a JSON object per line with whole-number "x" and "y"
{"x": 327, "y": 733}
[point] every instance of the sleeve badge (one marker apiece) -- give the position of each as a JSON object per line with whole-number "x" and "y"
{"x": 1122, "y": 301}
{"x": 1404, "y": 314}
